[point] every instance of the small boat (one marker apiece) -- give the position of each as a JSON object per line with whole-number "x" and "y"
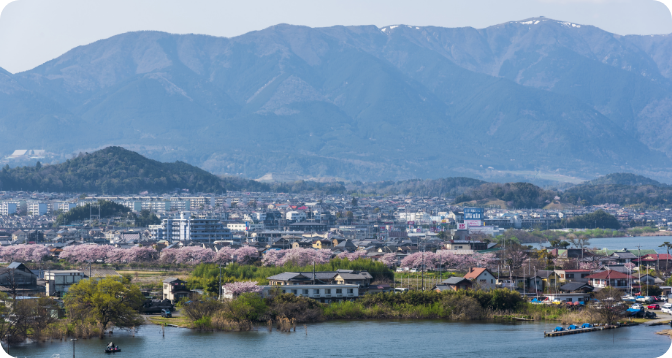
{"x": 111, "y": 348}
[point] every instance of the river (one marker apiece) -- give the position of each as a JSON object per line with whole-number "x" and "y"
{"x": 412, "y": 338}
{"x": 630, "y": 243}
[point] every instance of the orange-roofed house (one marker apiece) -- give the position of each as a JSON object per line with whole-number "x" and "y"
{"x": 481, "y": 278}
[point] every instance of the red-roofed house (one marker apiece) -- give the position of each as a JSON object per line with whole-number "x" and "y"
{"x": 653, "y": 260}
{"x": 482, "y": 278}
{"x": 609, "y": 278}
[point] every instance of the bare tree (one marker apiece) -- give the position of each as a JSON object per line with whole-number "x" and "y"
{"x": 610, "y": 305}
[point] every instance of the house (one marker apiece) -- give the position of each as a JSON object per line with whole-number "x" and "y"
{"x": 346, "y": 245}
{"x": 576, "y": 287}
{"x": 573, "y": 275}
{"x": 454, "y": 284}
{"x": 324, "y": 293}
{"x": 569, "y": 297}
{"x": 323, "y": 244}
{"x": 524, "y": 284}
{"x": 654, "y": 260}
{"x": 175, "y": 289}
{"x": 341, "y": 277}
{"x": 58, "y": 282}
{"x": 19, "y": 237}
{"x": 18, "y": 279}
{"x": 466, "y": 245}
{"x": 609, "y": 278}
{"x": 623, "y": 257}
{"x": 549, "y": 278}
{"x": 481, "y": 278}
{"x": 379, "y": 289}
{"x": 648, "y": 280}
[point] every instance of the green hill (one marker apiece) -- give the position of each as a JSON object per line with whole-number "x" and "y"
{"x": 624, "y": 179}
{"x": 113, "y": 170}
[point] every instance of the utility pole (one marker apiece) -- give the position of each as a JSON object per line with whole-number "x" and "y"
{"x": 220, "y": 282}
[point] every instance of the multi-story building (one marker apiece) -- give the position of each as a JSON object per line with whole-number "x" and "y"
{"x": 7, "y": 208}
{"x": 190, "y": 228}
{"x": 296, "y": 216}
{"x": 64, "y": 206}
{"x": 36, "y": 208}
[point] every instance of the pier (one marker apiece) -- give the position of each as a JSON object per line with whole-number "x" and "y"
{"x": 584, "y": 330}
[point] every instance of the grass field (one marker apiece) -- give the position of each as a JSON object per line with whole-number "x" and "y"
{"x": 178, "y": 321}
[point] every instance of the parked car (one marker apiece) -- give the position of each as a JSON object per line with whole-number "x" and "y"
{"x": 666, "y": 308}
{"x": 166, "y": 313}
{"x": 636, "y": 306}
{"x": 654, "y": 306}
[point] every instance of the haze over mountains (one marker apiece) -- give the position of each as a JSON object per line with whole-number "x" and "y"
{"x": 361, "y": 103}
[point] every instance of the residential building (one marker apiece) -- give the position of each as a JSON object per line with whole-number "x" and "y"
{"x": 36, "y": 208}
{"x": 454, "y": 284}
{"x": 175, "y": 289}
{"x": 58, "y": 282}
{"x": 609, "y": 278}
{"x": 573, "y": 275}
{"x": 482, "y": 278}
{"x": 190, "y": 228}
{"x": 18, "y": 279}
{"x": 323, "y": 292}
{"x": 8, "y": 208}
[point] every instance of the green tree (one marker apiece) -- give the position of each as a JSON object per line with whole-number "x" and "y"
{"x": 109, "y": 302}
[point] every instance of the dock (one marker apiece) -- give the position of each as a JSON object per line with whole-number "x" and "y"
{"x": 584, "y": 330}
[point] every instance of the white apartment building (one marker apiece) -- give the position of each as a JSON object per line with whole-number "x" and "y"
{"x": 64, "y": 206}
{"x": 296, "y": 216}
{"x": 58, "y": 282}
{"x": 242, "y": 227}
{"x": 36, "y": 208}
{"x": 322, "y": 293}
{"x": 7, "y": 208}
{"x": 190, "y": 228}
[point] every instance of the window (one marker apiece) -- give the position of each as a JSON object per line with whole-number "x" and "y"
{"x": 339, "y": 290}
{"x": 570, "y": 275}
{"x": 569, "y": 300}
{"x": 316, "y": 291}
{"x": 491, "y": 281}
{"x": 305, "y": 292}
{"x": 294, "y": 292}
{"x": 350, "y": 290}
{"x": 327, "y": 291}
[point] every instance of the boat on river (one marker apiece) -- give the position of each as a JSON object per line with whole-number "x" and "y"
{"x": 111, "y": 348}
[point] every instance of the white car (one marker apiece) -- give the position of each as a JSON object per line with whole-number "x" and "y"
{"x": 637, "y": 306}
{"x": 666, "y": 308}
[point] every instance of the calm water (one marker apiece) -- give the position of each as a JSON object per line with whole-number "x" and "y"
{"x": 371, "y": 339}
{"x": 630, "y": 243}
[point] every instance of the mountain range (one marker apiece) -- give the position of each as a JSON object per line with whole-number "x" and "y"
{"x": 537, "y": 98}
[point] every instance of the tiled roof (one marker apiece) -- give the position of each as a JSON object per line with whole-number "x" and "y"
{"x": 609, "y": 274}
{"x": 475, "y": 272}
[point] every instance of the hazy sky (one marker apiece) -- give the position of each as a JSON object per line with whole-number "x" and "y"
{"x": 35, "y": 31}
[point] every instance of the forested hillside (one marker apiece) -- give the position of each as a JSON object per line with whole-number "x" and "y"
{"x": 112, "y": 170}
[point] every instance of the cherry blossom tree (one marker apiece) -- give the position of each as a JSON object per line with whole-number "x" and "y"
{"x": 351, "y": 256}
{"x": 417, "y": 259}
{"x": 23, "y": 253}
{"x": 303, "y": 257}
{"x": 190, "y": 255}
{"x": 224, "y": 255}
{"x": 238, "y": 288}
{"x": 85, "y": 253}
{"x": 246, "y": 254}
{"x": 272, "y": 257}
{"x": 389, "y": 260}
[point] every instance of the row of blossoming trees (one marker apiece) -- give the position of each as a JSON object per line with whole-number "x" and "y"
{"x": 194, "y": 255}
{"x": 446, "y": 259}
{"x": 190, "y": 255}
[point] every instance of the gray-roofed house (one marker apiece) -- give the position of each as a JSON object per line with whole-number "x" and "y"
{"x": 454, "y": 284}
{"x": 576, "y": 287}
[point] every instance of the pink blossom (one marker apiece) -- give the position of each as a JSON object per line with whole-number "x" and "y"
{"x": 237, "y": 288}
{"x": 351, "y": 256}
{"x": 85, "y": 253}
{"x": 190, "y": 255}
{"x": 224, "y": 255}
{"x": 23, "y": 252}
{"x": 417, "y": 259}
{"x": 389, "y": 259}
{"x": 246, "y": 254}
